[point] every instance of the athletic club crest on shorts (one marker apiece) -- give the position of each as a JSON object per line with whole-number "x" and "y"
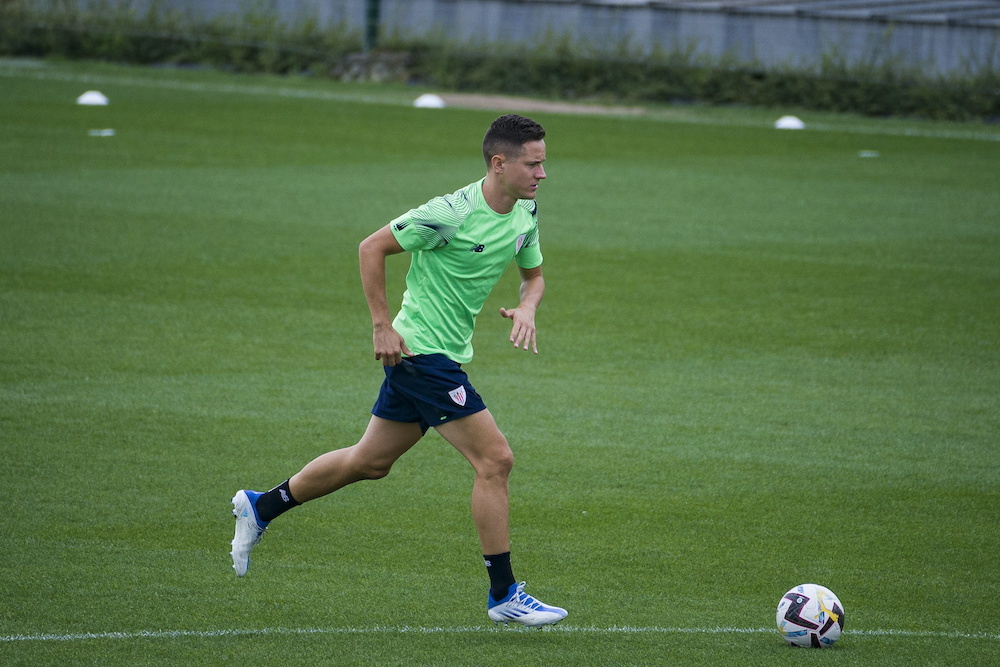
{"x": 458, "y": 395}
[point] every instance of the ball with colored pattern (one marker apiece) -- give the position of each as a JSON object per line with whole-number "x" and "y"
{"x": 810, "y": 615}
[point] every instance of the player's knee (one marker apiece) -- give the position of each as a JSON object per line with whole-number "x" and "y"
{"x": 363, "y": 467}
{"x": 499, "y": 462}
{"x": 506, "y": 461}
{"x": 374, "y": 470}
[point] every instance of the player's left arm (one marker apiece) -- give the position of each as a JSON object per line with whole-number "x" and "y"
{"x": 523, "y": 333}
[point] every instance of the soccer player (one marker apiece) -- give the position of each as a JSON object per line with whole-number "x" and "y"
{"x": 460, "y": 245}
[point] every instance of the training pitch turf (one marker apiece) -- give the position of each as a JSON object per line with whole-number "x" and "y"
{"x": 767, "y": 358}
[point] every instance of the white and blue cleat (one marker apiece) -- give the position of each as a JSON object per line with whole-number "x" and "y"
{"x": 519, "y": 607}
{"x": 249, "y": 529}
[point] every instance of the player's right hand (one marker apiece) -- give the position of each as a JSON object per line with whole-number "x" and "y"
{"x": 390, "y": 347}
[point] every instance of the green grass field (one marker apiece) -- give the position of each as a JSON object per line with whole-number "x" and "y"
{"x": 765, "y": 360}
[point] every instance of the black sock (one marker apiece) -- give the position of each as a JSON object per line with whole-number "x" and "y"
{"x": 276, "y": 502}
{"x": 501, "y": 575}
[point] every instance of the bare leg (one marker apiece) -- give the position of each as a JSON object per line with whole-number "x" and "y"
{"x": 372, "y": 457}
{"x": 481, "y": 442}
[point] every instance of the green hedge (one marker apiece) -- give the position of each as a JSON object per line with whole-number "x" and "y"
{"x": 562, "y": 71}
{"x": 255, "y": 41}
{"x": 112, "y": 30}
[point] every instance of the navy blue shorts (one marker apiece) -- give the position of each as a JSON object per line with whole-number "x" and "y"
{"x": 429, "y": 389}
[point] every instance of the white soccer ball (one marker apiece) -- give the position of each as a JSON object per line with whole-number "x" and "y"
{"x": 810, "y": 615}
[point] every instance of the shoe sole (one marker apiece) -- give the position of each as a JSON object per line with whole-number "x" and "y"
{"x": 239, "y": 501}
{"x": 527, "y": 625}
{"x": 505, "y": 621}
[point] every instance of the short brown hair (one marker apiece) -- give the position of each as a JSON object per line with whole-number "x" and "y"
{"x": 508, "y": 134}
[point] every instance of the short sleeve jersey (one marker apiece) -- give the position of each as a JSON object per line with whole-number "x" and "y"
{"x": 460, "y": 248}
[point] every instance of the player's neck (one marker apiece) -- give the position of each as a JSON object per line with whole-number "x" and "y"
{"x": 496, "y": 198}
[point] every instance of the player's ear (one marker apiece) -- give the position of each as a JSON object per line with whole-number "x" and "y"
{"x": 496, "y": 164}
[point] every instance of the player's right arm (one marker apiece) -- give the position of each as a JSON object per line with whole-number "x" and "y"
{"x": 389, "y": 345}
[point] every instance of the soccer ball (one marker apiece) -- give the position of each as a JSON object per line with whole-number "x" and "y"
{"x": 810, "y": 615}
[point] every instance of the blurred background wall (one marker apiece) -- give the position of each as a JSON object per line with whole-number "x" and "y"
{"x": 939, "y": 36}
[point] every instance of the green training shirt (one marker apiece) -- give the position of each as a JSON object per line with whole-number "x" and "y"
{"x": 460, "y": 247}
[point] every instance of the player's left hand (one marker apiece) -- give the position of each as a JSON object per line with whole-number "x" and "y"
{"x": 522, "y": 333}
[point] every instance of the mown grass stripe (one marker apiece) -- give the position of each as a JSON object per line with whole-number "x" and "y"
{"x": 21, "y": 71}
{"x": 408, "y": 629}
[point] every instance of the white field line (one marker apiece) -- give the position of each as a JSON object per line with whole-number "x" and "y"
{"x": 42, "y": 73}
{"x": 407, "y": 629}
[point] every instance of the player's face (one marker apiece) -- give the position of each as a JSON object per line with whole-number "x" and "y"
{"x": 522, "y": 174}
